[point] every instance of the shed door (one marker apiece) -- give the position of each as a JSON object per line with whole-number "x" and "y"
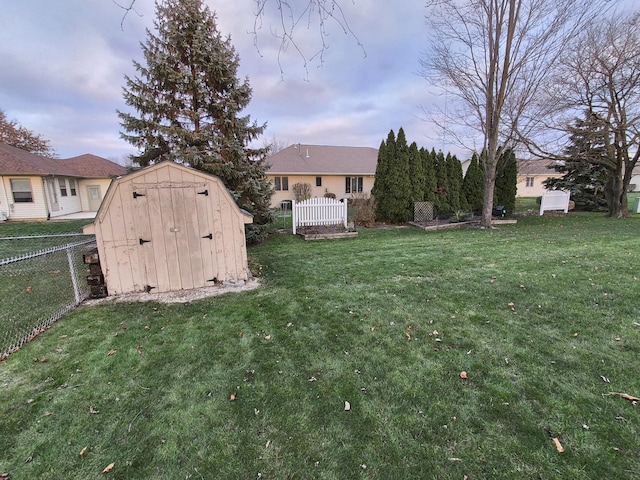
{"x": 176, "y": 244}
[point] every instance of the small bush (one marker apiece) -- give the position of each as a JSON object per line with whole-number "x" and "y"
{"x": 364, "y": 210}
{"x": 302, "y": 191}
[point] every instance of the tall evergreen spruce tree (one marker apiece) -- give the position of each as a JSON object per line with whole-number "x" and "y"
{"x": 188, "y": 103}
{"x": 584, "y": 171}
{"x": 473, "y": 185}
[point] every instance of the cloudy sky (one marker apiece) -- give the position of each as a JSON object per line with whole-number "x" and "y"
{"x": 63, "y": 64}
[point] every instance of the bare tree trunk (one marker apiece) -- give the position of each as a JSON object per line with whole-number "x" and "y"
{"x": 616, "y": 195}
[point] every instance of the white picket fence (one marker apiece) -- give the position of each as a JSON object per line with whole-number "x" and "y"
{"x": 318, "y": 211}
{"x": 555, "y": 200}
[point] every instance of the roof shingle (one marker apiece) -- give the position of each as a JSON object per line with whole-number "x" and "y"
{"x": 325, "y": 160}
{"x": 14, "y": 161}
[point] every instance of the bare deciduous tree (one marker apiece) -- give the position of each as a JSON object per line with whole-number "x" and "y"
{"x": 600, "y": 76}
{"x": 292, "y": 15}
{"x": 494, "y": 57}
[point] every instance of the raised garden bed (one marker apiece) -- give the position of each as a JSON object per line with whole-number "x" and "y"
{"x": 325, "y": 232}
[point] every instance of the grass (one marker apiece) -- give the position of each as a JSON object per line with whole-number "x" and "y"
{"x": 538, "y": 314}
{"x": 10, "y": 247}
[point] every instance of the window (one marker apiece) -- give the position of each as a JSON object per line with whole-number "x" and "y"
{"x": 353, "y": 185}
{"x": 21, "y": 189}
{"x": 72, "y": 187}
{"x": 318, "y": 181}
{"x": 281, "y": 183}
{"x": 63, "y": 187}
{"x": 529, "y": 181}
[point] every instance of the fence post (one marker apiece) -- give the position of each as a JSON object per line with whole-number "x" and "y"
{"x": 74, "y": 277}
{"x": 345, "y": 213}
{"x": 294, "y": 215}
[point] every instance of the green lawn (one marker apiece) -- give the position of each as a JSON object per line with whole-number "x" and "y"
{"x": 543, "y": 317}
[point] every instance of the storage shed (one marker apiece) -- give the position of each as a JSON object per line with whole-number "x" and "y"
{"x": 168, "y": 228}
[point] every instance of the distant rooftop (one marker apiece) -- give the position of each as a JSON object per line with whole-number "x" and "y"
{"x": 14, "y": 161}
{"x": 324, "y": 160}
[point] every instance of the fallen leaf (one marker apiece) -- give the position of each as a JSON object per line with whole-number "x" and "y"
{"x": 347, "y": 406}
{"x": 629, "y": 397}
{"x": 463, "y": 375}
{"x": 232, "y": 397}
{"x": 93, "y": 410}
{"x": 139, "y": 349}
{"x": 83, "y": 451}
{"x": 618, "y": 339}
{"x": 27, "y": 289}
{"x": 605, "y": 379}
{"x": 48, "y": 413}
{"x": 408, "y": 336}
{"x": 575, "y": 334}
{"x": 147, "y": 327}
{"x": 267, "y": 337}
{"x": 108, "y": 468}
{"x": 557, "y": 444}
{"x": 111, "y": 352}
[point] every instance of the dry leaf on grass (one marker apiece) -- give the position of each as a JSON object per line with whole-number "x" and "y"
{"x": 626, "y": 396}
{"x": 48, "y": 413}
{"x": 232, "y": 397}
{"x": 93, "y": 410}
{"x": 557, "y": 444}
{"x": 463, "y": 375}
{"x": 83, "y": 451}
{"x": 108, "y": 468}
{"x": 111, "y": 352}
{"x": 347, "y": 406}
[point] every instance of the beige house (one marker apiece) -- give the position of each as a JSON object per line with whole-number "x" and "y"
{"x": 168, "y": 228}
{"x": 531, "y": 174}
{"x": 342, "y": 171}
{"x": 33, "y": 187}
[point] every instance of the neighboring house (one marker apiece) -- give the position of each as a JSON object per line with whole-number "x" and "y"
{"x": 634, "y": 184}
{"x": 531, "y": 174}
{"x": 35, "y": 187}
{"x": 342, "y": 171}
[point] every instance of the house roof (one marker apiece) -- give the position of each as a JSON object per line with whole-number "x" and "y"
{"x": 323, "y": 160}
{"x": 536, "y": 167}
{"x": 14, "y": 161}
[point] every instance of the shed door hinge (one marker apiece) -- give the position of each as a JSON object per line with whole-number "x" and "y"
{"x": 148, "y": 288}
{"x": 214, "y": 280}
{"x": 136, "y": 194}
{"x": 205, "y": 193}
{"x": 142, "y": 242}
{"x": 210, "y": 236}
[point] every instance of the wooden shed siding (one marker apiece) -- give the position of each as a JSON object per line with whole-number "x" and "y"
{"x": 191, "y": 238}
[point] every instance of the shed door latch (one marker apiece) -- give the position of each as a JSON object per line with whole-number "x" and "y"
{"x": 210, "y": 236}
{"x": 142, "y": 242}
{"x": 204, "y": 192}
{"x": 136, "y": 194}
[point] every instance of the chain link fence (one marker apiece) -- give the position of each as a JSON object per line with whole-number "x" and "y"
{"x": 38, "y": 288}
